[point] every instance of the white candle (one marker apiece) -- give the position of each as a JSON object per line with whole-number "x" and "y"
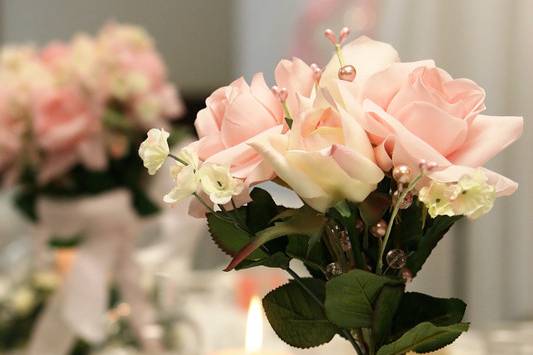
{"x": 254, "y": 333}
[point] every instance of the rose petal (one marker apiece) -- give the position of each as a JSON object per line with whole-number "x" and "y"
{"x": 265, "y": 96}
{"x": 487, "y": 136}
{"x": 441, "y": 130}
{"x": 244, "y": 119}
{"x": 382, "y": 86}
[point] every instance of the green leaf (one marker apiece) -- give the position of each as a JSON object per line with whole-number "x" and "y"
{"x": 374, "y": 207}
{"x": 260, "y": 210}
{"x": 343, "y": 208}
{"x": 385, "y": 308}
{"x": 306, "y": 222}
{"x": 417, "y": 307}
{"x": 25, "y": 202}
{"x": 425, "y": 337}
{"x": 429, "y": 240}
{"x": 229, "y": 238}
{"x": 142, "y": 203}
{"x": 303, "y": 249}
{"x": 277, "y": 260}
{"x": 406, "y": 234}
{"x": 295, "y": 317}
{"x": 349, "y": 297}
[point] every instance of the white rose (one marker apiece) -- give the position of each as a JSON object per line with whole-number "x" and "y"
{"x": 154, "y": 150}
{"x": 218, "y": 183}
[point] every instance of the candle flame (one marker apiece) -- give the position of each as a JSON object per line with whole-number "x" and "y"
{"x": 254, "y": 327}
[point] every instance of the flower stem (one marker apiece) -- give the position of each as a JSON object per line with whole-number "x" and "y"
{"x": 338, "y": 51}
{"x": 181, "y": 161}
{"x": 394, "y": 213}
{"x": 311, "y": 294}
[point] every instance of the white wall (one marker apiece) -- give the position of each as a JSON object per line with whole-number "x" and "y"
{"x": 195, "y": 37}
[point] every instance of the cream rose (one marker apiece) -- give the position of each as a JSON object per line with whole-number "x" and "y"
{"x": 326, "y": 157}
{"x": 154, "y": 150}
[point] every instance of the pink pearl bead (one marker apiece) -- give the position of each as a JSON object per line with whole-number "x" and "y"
{"x": 331, "y": 36}
{"x": 347, "y": 73}
{"x": 345, "y": 32}
{"x": 317, "y": 72}
{"x": 379, "y": 229}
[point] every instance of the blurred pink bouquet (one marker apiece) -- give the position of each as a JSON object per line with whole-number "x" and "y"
{"x": 386, "y": 156}
{"x": 78, "y": 107}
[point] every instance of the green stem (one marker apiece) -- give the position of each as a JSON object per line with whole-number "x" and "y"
{"x": 394, "y": 213}
{"x": 338, "y": 50}
{"x": 179, "y": 160}
{"x": 311, "y": 294}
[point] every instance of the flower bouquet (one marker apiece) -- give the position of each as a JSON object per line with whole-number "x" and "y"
{"x": 385, "y": 155}
{"x": 71, "y": 112}
{"x": 71, "y": 117}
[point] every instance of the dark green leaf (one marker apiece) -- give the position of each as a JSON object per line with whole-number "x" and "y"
{"x": 417, "y": 307}
{"x": 260, "y": 210}
{"x": 406, "y": 234}
{"x": 277, "y": 260}
{"x": 312, "y": 256}
{"x": 25, "y": 202}
{"x": 229, "y": 238}
{"x": 306, "y": 222}
{"x": 350, "y": 296}
{"x": 343, "y": 208}
{"x": 295, "y": 317}
{"x": 429, "y": 240}
{"x": 425, "y": 337}
{"x": 143, "y": 204}
{"x": 385, "y": 308}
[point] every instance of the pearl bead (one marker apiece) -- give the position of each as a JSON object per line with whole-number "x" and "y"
{"x": 407, "y": 275}
{"x": 281, "y": 93}
{"x": 330, "y": 35}
{"x": 347, "y": 73}
{"x": 345, "y": 32}
{"x": 402, "y": 174}
{"x": 379, "y": 229}
{"x": 317, "y": 72}
{"x": 332, "y": 270}
{"x": 396, "y": 258}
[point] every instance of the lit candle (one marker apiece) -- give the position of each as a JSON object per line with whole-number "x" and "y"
{"x": 254, "y": 333}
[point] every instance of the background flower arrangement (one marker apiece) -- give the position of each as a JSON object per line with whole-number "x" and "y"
{"x": 386, "y": 157}
{"x": 71, "y": 112}
{"x": 22, "y": 302}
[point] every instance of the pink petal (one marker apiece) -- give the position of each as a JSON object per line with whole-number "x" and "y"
{"x": 245, "y": 118}
{"x": 206, "y": 123}
{"x": 265, "y": 96}
{"x": 297, "y": 77}
{"x": 487, "y": 136}
{"x": 382, "y": 86}
{"x": 441, "y": 130}
{"x": 408, "y": 148}
{"x": 209, "y": 145}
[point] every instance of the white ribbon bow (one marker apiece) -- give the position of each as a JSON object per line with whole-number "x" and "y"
{"x": 78, "y": 309}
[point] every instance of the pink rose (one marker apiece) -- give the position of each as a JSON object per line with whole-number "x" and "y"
{"x": 67, "y": 126}
{"x": 234, "y": 115}
{"x": 55, "y": 54}
{"x": 414, "y": 111}
{"x": 11, "y": 131}
{"x": 297, "y": 77}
